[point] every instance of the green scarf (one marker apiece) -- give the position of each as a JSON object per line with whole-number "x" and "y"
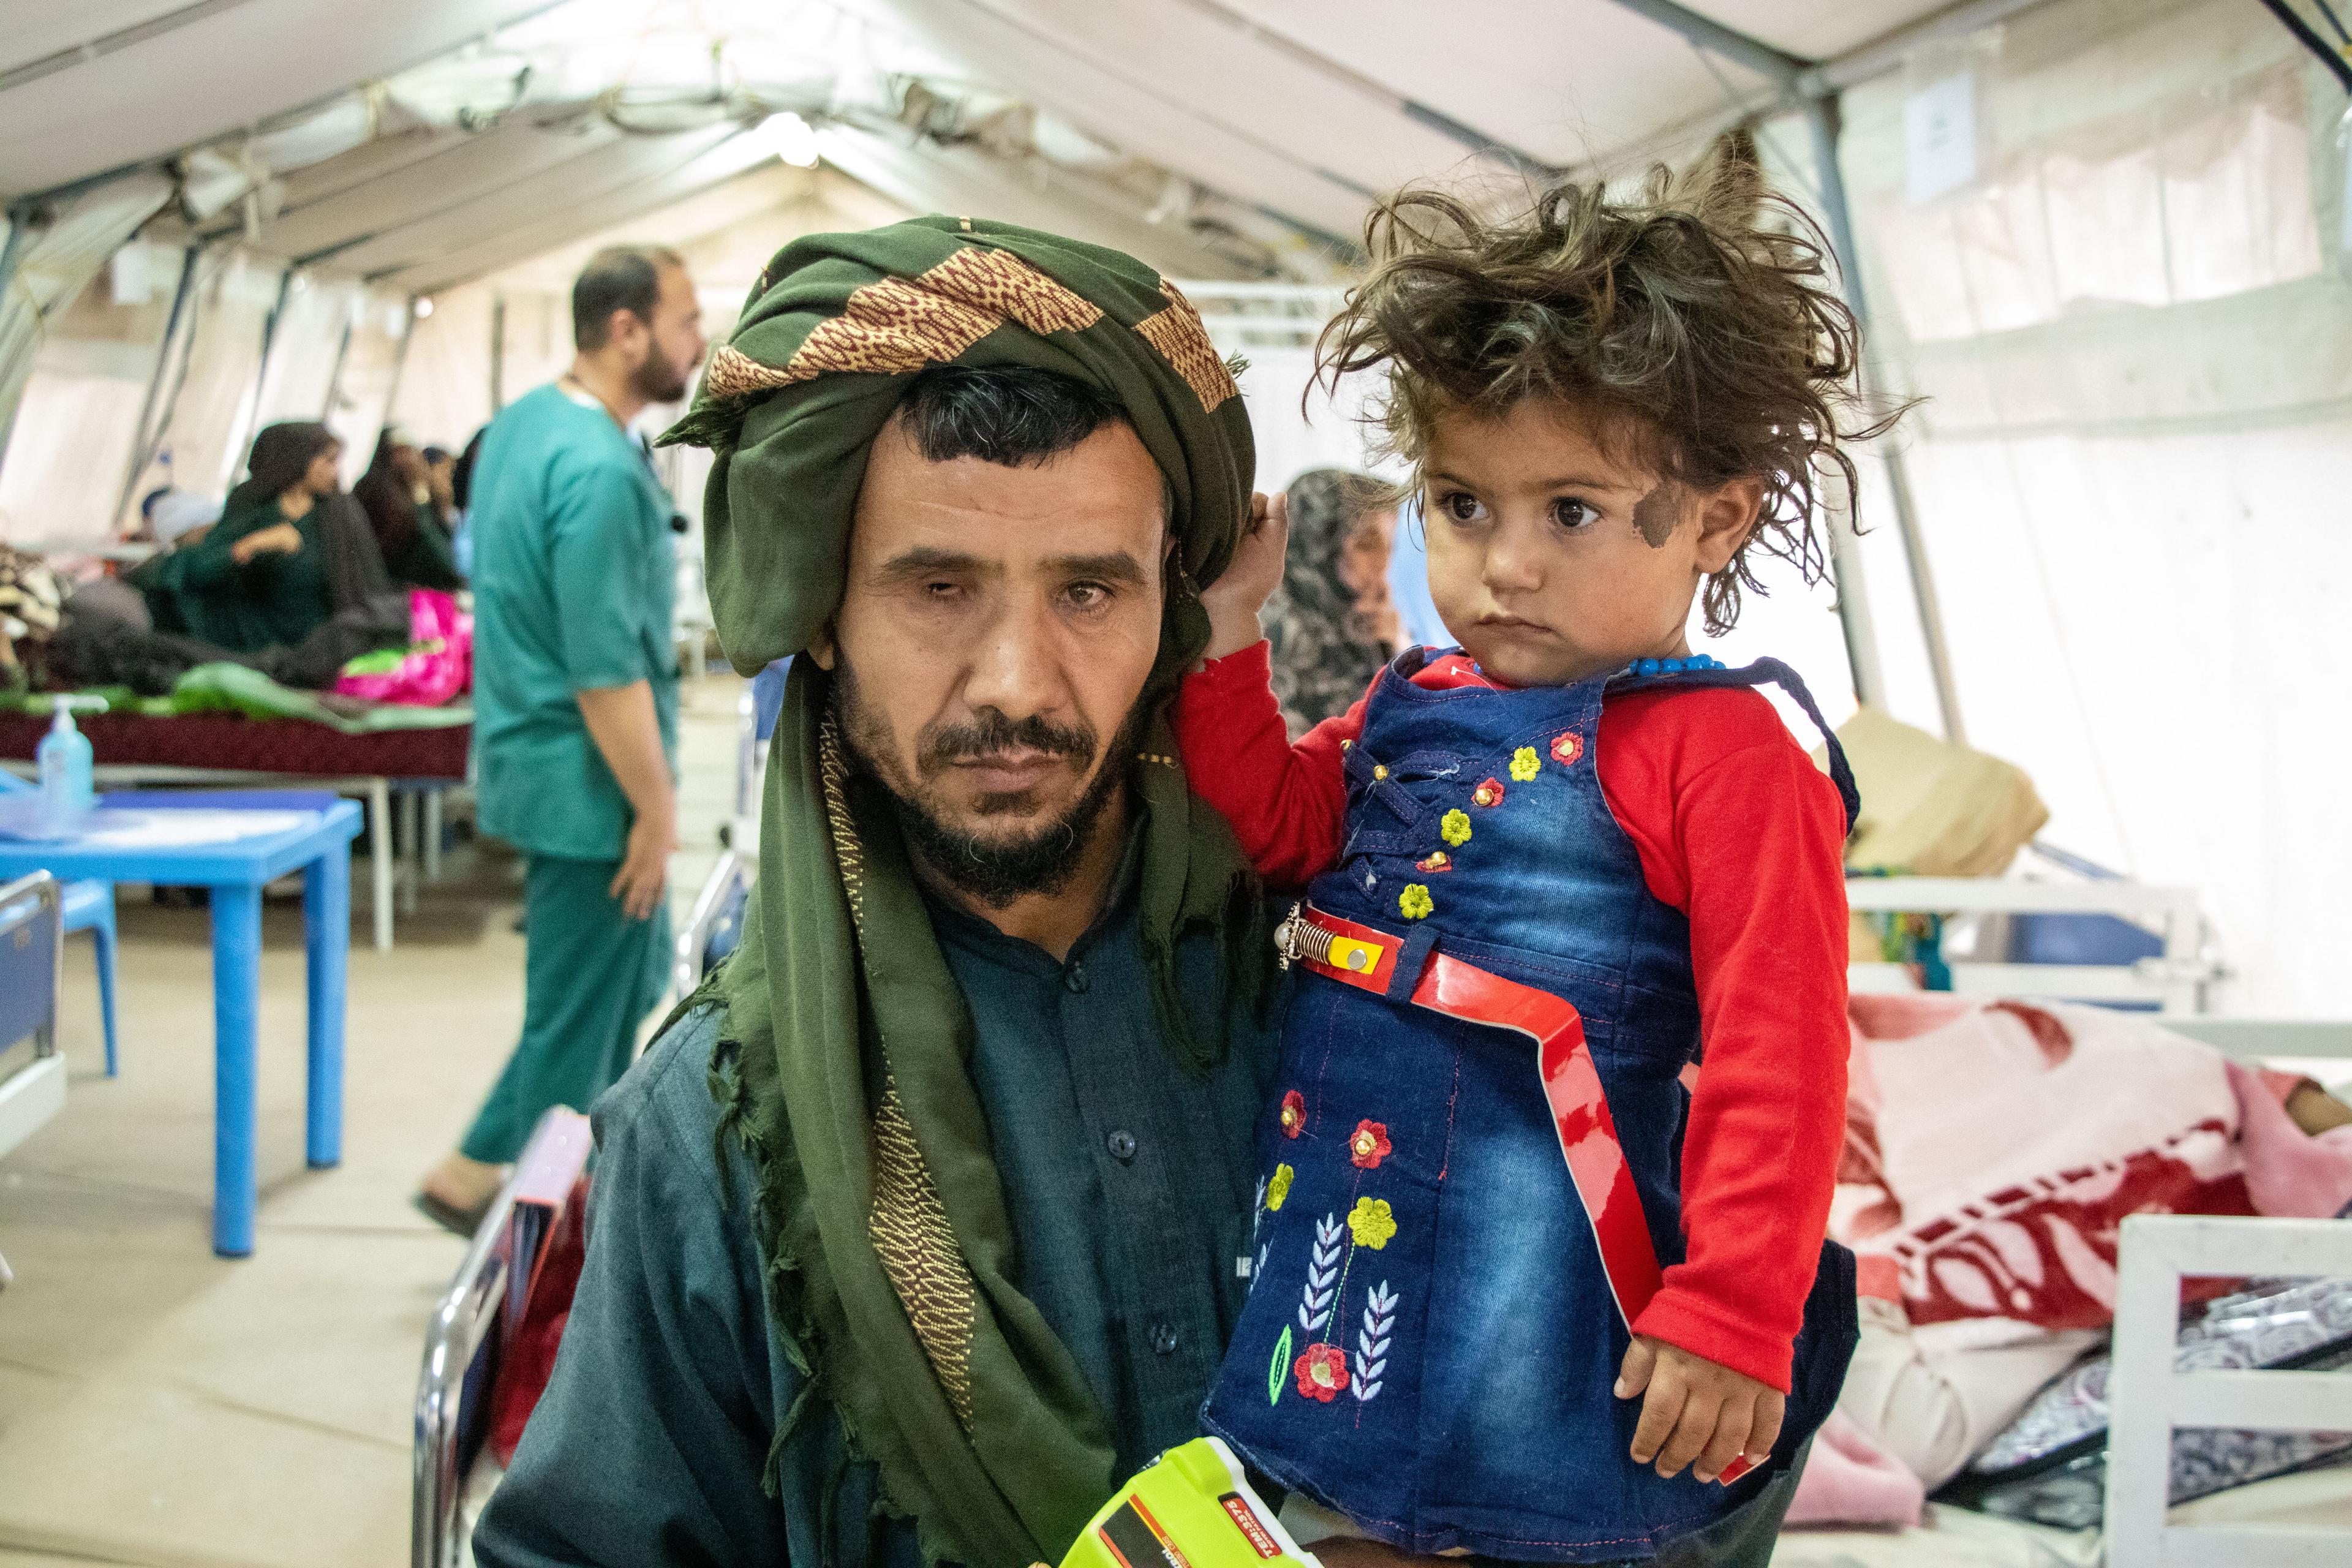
{"x": 843, "y": 1058}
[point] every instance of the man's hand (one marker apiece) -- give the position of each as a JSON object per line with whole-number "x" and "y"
{"x": 278, "y": 539}
{"x": 1235, "y": 599}
{"x": 622, "y": 721}
{"x": 644, "y": 869}
{"x": 1694, "y": 1409}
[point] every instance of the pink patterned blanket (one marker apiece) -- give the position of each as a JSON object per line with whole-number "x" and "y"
{"x": 2005, "y": 1143}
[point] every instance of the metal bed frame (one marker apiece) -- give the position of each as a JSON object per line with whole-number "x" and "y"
{"x": 2177, "y": 981}
{"x": 471, "y": 1326}
{"x": 738, "y": 859}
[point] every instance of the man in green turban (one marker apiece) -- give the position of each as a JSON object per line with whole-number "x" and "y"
{"x": 924, "y": 1223}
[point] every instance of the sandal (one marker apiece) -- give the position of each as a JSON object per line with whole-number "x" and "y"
{"x": 449, "y": 1217}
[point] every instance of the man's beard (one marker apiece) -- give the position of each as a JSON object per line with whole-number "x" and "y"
{"x": 656, "y": 379}
{"x": 996, "y": 872}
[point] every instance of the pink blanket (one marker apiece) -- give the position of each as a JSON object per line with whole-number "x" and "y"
{"x": 2007, "y": 1144}
{"x": 1850, "y": 1480}
{"x": 436, "y": 665}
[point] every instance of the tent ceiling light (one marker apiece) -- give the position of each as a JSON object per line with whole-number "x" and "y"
{"x": 790, "y": 137}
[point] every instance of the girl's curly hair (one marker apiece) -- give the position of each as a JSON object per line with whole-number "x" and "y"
{"x": 1695, "y": 324}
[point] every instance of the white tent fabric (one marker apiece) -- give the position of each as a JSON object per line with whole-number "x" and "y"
{"x": 54, "y": 264}
{"x": 2121, "y": 286}
{"x": 2135, "y": 334}
{"x": 88, "y": 87}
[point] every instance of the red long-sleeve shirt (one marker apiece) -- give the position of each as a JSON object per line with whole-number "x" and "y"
{"x": 1737, "y": 829}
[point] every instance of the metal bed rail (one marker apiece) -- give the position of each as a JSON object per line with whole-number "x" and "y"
{"x": 2148, "y": 1395}
{"x": 470, "y": 1328}
{"x": 2177, "y": 981}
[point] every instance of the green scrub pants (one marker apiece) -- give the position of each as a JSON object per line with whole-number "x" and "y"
{"x": 590, "y": 977}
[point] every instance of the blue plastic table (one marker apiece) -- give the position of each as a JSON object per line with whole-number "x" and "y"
{"x": 235, "y": 869}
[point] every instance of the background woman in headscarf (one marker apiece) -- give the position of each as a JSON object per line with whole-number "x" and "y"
{"x": 411, "y": 513}
{"x": 1331, "y": 623}
{"x": 291, "y": 549}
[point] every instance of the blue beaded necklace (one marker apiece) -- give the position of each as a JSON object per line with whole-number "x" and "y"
{"x": 1673, "y": 666}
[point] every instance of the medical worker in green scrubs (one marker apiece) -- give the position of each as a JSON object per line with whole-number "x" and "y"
{"x": 575, "y": 701}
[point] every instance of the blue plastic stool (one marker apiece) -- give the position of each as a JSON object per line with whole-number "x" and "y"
{"x": 88, "y": 906}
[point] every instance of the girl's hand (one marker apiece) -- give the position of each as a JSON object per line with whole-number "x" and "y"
{"x": 278, "y": 538}
{"x": 1235, "y": 599}
{"x": 1696, "y": 1412}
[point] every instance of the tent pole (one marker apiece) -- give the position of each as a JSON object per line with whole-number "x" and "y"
{"x": 1885, "y": 54}
{"x": 249, "y": 415}
{"x": 343, "y": 352}
{"x": 20, "y": 216}
{"x": 1703, "y": 31}
{"x": 399, "y": 361}
{"x": 139, "y": 455}
{"x": 497, "y": 353}
{"x": 1822, "y": 116}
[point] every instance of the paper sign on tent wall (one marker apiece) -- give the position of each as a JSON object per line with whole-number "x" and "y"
{"x": 1939, "y": 136}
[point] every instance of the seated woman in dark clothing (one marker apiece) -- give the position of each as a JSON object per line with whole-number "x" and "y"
{"x": 408, "y": 504}
{"x": 288, "y": 552}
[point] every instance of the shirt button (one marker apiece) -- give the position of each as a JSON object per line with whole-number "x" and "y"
{"x": 1074, "y": 977}
{"x": 1163, "y": 1339}
{"x": 1121, "y": 1145}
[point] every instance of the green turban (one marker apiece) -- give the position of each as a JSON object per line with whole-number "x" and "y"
{"x": 792, "y": 404}
{"x": 841, "y": 1061}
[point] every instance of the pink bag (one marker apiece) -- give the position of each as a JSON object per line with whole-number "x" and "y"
{"x": 436, "y": 665}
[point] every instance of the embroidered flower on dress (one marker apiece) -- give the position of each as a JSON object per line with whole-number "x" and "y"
{"x": 1372, "y": 1223}
{"x": 1525, "y": 763}
{"x": 1370, "y": 1145}
{"x": 1322, "y": 1372}
{"x": 1566, "y": 747}
{"x": 1488, "y": 793}
{"x": 1278, "y": 1188}
{"x": 1414, "y": 903}
{"x": 1437, "y": 860}
{"x": 1454, "y": 826}
{"x": 1294, "y": 1113}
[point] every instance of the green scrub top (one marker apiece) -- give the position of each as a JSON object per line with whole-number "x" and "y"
{"x": 574, "y": 577}
{"x": 271, "y": 601}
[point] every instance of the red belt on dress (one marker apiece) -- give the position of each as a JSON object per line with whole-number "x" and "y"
{"x": 1366, "y": 958}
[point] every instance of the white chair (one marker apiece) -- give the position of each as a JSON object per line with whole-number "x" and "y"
{"x": 32, "y": 935}
{"x": 2148, "y": 1398}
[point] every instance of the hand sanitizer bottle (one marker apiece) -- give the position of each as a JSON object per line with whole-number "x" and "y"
{"x": 63, "y": 761}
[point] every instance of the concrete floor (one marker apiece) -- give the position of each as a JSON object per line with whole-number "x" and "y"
{"x": 160, "y": 1405}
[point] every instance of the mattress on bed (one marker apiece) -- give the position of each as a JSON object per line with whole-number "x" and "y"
{"x": 1957, "y": 1538}
{"x": 253, "y": 745}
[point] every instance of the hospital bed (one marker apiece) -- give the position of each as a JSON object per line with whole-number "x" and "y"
{"x": 32, "y": 936}
{"x": 2159, "y": 962}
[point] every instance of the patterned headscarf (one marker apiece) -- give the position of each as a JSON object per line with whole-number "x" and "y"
{"x": 842, "y": 1055}
{"x": 1323, "y": 653}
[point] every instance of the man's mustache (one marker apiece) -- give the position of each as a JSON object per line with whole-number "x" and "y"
{"x": 993, "y": 733}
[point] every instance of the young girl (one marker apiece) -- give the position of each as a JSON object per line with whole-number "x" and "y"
{"x": 1546, "y": 1304}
